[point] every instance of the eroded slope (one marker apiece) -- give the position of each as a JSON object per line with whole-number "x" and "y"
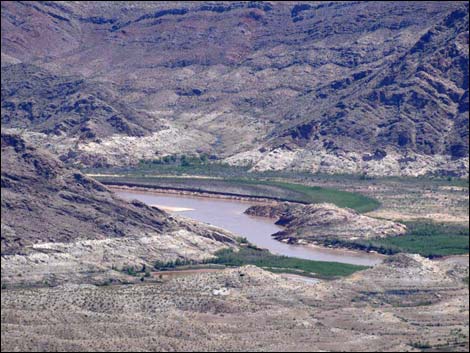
{"x": 56, "y": 222}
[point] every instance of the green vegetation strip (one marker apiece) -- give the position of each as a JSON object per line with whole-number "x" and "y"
{"x": 210, "y": 166}
{"x": 252, "y": 188}
{"x": 222, "y": 177}
{"x": 316, "y": 194}
{"x": 426, "y": 238}
{"x": 262, "y": 258}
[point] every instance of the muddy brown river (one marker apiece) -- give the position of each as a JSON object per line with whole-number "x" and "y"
{"x": 229, "y": 214}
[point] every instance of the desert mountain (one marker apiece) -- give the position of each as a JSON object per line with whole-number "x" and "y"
{"x": 357, "y": 87}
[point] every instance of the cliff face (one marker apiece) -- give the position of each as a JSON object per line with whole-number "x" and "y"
{"x": 72, "y": 223}
{"x": 320, "y": 86}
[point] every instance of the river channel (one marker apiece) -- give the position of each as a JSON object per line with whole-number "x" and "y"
{"x": 229, "y": 214}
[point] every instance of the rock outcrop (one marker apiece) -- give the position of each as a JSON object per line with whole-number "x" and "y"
{"x": 318, "y": 223}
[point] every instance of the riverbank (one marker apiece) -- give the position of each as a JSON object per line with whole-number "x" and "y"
{"x": 400, "y": 198}
{"x": 249, "y": 254}
{"x": 172, "y": 209}
{"x": 230, "y": 215}
{"x": 186, "y": 192}
{"x": 243, "y": 188}
{"x": 424, "y": 237}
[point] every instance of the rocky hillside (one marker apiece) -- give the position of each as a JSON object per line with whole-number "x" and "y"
{"x": 318, "y": 223}
{"x": 356, "y": 87}
{"x": 403, "y": 305}
{"x": 55, "y": 220}
{"x": 66, "y": 105}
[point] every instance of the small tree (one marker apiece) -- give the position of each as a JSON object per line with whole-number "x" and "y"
{"x": 185, "y": 161}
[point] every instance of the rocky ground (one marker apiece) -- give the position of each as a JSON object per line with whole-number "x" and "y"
{"x": 408, "y": 303}
{"x": 317, "y": 223}
{"x": 320, "y": 160}
{"x": 57, "y": 224}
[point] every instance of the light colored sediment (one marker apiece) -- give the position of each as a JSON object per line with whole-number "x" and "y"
{"x": 406, "y": 198}
{"x": 125, "y": 150}
{"x": 437, "y": 217}
{"x": 392, "y": 307}
{"x": 173, "y": 209}
{"x": 319, "y": 160}
{"x": 97, "y": 261}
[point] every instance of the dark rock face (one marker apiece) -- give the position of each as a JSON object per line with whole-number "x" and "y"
{"x": 378, "y": 155}
{"x": 274, "y": 211}
{"x": 348, "y": 76}
{"x": 410, "y": 102}
{"x": 44, "y": 201}
{"x": 38, "y": 100}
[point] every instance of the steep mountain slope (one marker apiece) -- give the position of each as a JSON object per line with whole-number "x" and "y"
{"x": 66, "y": 105}
{"x": 67, "y": 112}
{"x": 417, "y": 105}
{"x": 77, "y": 227}
{"x": 321, "y": 86}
